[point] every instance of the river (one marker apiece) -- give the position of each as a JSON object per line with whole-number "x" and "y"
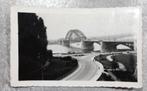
{"x": 75, "y": 48}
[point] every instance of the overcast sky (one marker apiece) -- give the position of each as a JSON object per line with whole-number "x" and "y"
{"x": 91, "y": 22}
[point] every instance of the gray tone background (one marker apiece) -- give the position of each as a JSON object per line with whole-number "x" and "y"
{"x": 5, "y": 37}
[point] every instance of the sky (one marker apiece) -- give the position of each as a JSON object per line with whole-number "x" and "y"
{"x": 92, "y": 22}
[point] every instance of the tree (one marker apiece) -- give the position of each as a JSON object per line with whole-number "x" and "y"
{"x": 32, "y": 43}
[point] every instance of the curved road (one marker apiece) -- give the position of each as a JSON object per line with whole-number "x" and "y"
{"x": 87, "y": 69}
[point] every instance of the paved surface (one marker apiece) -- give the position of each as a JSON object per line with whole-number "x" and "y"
{"x": 87, "y": 69}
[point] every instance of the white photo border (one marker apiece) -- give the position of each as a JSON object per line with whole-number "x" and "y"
{"x": 14, "y": 52}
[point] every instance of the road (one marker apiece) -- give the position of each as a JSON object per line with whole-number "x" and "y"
{"x": 87, "y": 69}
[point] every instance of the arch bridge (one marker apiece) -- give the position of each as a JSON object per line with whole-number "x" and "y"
{"x": 87, "y": 44}
{"x": 75, "y": 35}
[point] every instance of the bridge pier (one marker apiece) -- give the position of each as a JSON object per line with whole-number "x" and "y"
{"x": 108, "y": 47}
{"x": 87, "y": 46}
{"x": 65, "y": 43}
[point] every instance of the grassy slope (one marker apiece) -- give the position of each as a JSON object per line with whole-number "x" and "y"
{"x": 56, "y": 69}
{"x": 128, "y": 60}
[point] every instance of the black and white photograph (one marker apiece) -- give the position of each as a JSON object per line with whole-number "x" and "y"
{"x": 76, "y": 47}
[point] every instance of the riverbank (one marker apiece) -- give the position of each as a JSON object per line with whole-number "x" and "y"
{"x": 59, "y": 68}
{"x": 120, "y": 68}
{"x": 54, "y": 69}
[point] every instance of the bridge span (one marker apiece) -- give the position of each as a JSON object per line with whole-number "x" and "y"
{"x": 106, "y": 46}
{"x": 75, "y": 35}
